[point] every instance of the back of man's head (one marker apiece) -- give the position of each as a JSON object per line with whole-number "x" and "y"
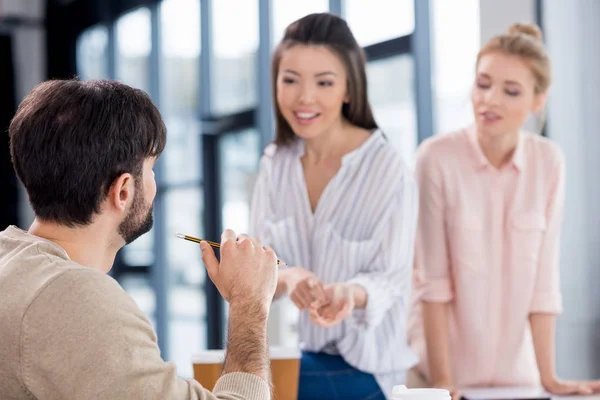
{"x": 70, "y": 140}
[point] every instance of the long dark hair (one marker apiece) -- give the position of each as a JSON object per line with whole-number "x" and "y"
{"x": 332, "y": 32}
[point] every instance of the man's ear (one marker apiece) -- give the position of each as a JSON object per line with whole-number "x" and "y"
{"x": 121, "y": 192}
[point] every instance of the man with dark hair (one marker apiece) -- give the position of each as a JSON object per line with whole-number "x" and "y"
{"x": 85, "y": 152}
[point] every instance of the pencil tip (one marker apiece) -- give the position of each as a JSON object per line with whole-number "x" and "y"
{"x": 180, "y": 235}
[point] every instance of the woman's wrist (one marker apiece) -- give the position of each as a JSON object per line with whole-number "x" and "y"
{"x": 548, "y": 381}
{"x": 283, "y": 278}
{"x": 359, "y": 295}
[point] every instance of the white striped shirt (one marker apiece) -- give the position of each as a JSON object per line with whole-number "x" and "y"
{"x": 363, "y": 232}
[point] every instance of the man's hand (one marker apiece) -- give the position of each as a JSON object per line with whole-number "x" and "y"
{"x": 304, "y": 288}
{"x": 339, "y": 306}
{"x": 246, "y": 277}
{"x": 247, "y": 273}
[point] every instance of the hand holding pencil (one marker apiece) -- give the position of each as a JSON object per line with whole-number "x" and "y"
{"x": 247, "y": 272}
{"x": 212, "y": 244}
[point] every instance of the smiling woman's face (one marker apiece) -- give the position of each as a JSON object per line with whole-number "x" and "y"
{"x": 311, "y": 89}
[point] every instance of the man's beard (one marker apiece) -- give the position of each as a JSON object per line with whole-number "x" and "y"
{"x": 135, "y": 223}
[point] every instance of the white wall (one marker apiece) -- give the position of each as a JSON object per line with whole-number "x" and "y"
{"x": 454, "y": 50}
{"x": 572, "y": 32}
{"x": 496, "y": 16}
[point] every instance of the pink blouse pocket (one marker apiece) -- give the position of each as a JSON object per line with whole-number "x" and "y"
{"x": 527, "y": 232}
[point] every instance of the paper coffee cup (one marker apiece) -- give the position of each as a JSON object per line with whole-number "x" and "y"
{"x": 402, "y": 393}
{"x": 208, "y": 366}
{"x": 285, "y": 370}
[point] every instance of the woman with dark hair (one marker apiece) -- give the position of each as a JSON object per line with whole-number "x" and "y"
{"x": 338, "y": 204}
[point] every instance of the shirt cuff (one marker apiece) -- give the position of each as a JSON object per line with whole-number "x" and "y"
{"x": 378, "y": 302}
{"x": 243, "y": 385}
{"x": 547, "y": 303}
{"x": 435, "y": 290}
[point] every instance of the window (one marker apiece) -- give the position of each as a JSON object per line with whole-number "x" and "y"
{"x": 180, "y": 180}
{"x": 180, "y": 89}
{"x": 239, "y": 154}
{"x": 235, "y": 42}
{"x": 375, "y": 21}
{"x": 134, "y": 43}
{"x": 391, "y": 93}
{"x": 454, "y": 48}
{"x": 140, "y": 289}
{"x": 92, "y": 54}
{"x": 285, "y": 12}
{"x": 133, "y": 46}
{"x": 187, "y": 301}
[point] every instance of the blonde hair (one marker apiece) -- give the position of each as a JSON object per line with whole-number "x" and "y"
{"x": 524, "y": 41}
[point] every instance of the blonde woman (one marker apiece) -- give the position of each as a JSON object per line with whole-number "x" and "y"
{"x": 487, "y": 253}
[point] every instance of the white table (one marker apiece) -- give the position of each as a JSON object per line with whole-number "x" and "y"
{"x": 505, "y": 393}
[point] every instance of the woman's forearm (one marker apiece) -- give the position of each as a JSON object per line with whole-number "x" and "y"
{"x": 435, "y": 324}
{"x": 282, "y": 277}
{"x": 542, "y": 333}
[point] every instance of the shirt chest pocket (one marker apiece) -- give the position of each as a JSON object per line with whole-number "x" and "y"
{"x": 342, "y": 257}
{"x": 526, "y": 233}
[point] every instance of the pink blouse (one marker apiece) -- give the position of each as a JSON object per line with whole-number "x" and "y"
{"x": 488, "y": 245}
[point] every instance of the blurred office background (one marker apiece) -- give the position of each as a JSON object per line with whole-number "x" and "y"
{"x": 206, "y": 64}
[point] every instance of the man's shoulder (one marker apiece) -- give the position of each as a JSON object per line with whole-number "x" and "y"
{"x": 28, "y": 269}
{"x": 85, "y": 303}
{"x": 80, "y": 288}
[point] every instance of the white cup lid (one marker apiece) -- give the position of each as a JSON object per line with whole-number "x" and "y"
{"x": 208, "y": 357}
{"x": 401, "y": 392}
{"x": 217, "y": 356}
{"x": 284, "y": 353}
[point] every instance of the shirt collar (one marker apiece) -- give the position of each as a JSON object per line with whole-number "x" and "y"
{"x": 480, "y": 161}
{"x": 354, "y": 155}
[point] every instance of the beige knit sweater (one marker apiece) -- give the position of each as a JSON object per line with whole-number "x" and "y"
{"x": 71, "y": 332}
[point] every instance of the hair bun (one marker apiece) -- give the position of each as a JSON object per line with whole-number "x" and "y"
{"x": 526, "y": 29}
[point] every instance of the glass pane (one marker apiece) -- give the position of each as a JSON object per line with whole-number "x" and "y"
{"x": 140, "y": 289}
{"x": 375, "y": 21}
{"x": 92, "y": 54}
{"x": 187, "y": 304}
{"x": 239, "y": 157}
{"x": 454, "y": 52}
{"x": 391, "y": 83}
{"x": 134, "y": 43}
{"x": 188, "y": 336}
{"x": 184, "y": 208}
{"x": 180, "y": 89}
{"x": 234, "y": 63}
{"x": 141, "y": 251}
{"x": 285, "y": 12}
